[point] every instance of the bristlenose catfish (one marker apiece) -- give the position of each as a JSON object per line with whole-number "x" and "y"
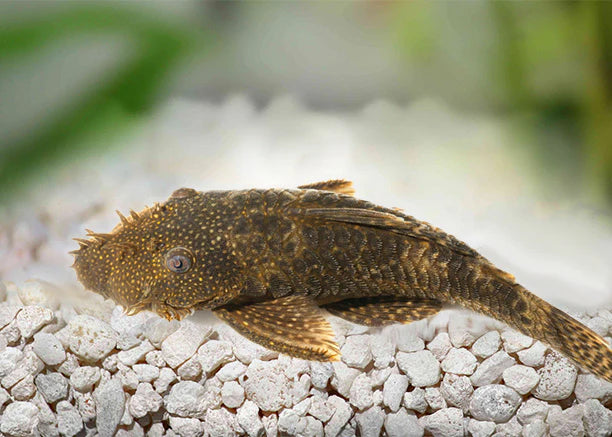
{"x": 272, "y": 263}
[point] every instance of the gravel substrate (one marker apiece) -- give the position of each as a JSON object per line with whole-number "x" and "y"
{"x": 73, "y": 364}
{"x": 66, "y": 372}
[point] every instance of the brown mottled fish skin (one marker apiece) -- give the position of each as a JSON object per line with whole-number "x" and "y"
{"x": 271, "y": 263}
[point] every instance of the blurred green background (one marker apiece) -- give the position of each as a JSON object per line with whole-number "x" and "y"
{"x": 73, "y": 76}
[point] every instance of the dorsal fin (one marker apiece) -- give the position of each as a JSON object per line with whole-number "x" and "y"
{"x": 392, "y": 223}
{"x": 339, "y": 186}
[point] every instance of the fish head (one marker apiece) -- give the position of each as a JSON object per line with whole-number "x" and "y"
{"x": 150, "y": 260}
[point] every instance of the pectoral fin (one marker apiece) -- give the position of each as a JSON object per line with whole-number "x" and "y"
{"x": 293, "y": 325}
{"x": 339, "y": 186}
{"x": 386, "y": 310}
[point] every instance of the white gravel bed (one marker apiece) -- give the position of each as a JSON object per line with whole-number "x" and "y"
{"x": 66, "y": 372}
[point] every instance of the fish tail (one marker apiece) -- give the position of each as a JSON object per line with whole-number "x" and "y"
{"x": 496, "y": 294}
{"x": 576, "y": 341}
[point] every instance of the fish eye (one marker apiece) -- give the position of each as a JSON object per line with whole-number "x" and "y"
{"x": 179, "y": 260}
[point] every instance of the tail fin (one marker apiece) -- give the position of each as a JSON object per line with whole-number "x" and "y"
{"x": 537, "y": 318}
{"x": 580, "y": 344}
{"x": 495, "y": 293}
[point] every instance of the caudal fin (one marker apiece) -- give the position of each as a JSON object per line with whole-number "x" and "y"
{"x": 579, "y": 343}
{"x": 504, "y": 299}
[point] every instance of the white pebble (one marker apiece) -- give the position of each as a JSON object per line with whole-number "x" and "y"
{"x": 460, "y": 331}
{"x": 589, "y": 386}
{"x": 146, "y": 400}
{"x": 182, "y": 344}
{"x": 294, "y": 367}
{"x": 270, "y": 424}
{"x": 532, "y": 410}
{"x": 53, "y": 386}
{"x": 521, "y": 378}
{"x": 421, "y": 367}
{"x": 479, "y": 428}
{"x": 130, "y": 325}
{"x": 11, "y": 333}
{"x": 496, "y": 403}
{"x": 487, "y": 345}
{"x": 24, "y": 389}
{"x": 91, "y": 339}
{"x": 557, "y": 378}
{"x": 8, "y": 313}
{"x": 300, "y": 388}
{"x": 302, "y": 407}
{"x": 394, "y": 390}
{"x": 382, "y": 350}
{"x": 536, "y": 428}
{"x": 444, "y": 423}
{"x": 166, "y": 377}
{"x": 127, "y": 377}
{"x": 360, "y": 394}
{"x": 48, "y": 348}
{"x": 132, "y": 356}
{"x": 84, "y": 378}
{"x": 379, "y": 376}
{"x": 110, "y": 403}
{"x": 190, "y": 369}
{"x": 597, "y": 419}
{"x": 267, "y": 385}
{"x": 343, "y": 377}
{"x": 415, "y": 400}
{"x": 126, "y": 341}
{"x": 320, "y": 373}
{"x": 213, "y": 354}
{"x": 290, "y": 423}
{"x": 212, "y": 397}
{"x": 232, "y": 394}
{"x": 440, "y": 345}
{"x": 145, "y": 372}
{"x": 457, "y": 391}
{"x": 320, "y": 409}
{"x": 9, "y": 358}
{"x": 313, "y": 428}
{"x": 511, "y": 428}
{"x": 460, "y": 362}
{"x": 490, "y": 370}
{"x": 187, "y": 426}
{"x": 231, "y": 371}
{"x": 109, "y": 363}
{"x": 186, "y": 399}
{"x": 19, "y": 419}
{"x": 155, "y": 358}
{"x": 29, "y": 364}
{"x": 434, "y": 398}
{"x": 356, "y": 351}
{"x": 69, "y": 422}
{"x": 402, "y": 424}
{"x": 514, "y": 341}
{"x": 533, "y": 356}
{"x": 220, "y": 422}
{"x": 248, "y": 419}
{"x": 157, "y": 329}
{"x": 342, "y": 414}
{"x": 566, "y": 423}
{"x": 31, "y": 318}
{"x": 370, "y": 421}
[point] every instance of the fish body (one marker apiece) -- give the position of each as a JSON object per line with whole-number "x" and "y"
{"x": 272, "y": 263}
